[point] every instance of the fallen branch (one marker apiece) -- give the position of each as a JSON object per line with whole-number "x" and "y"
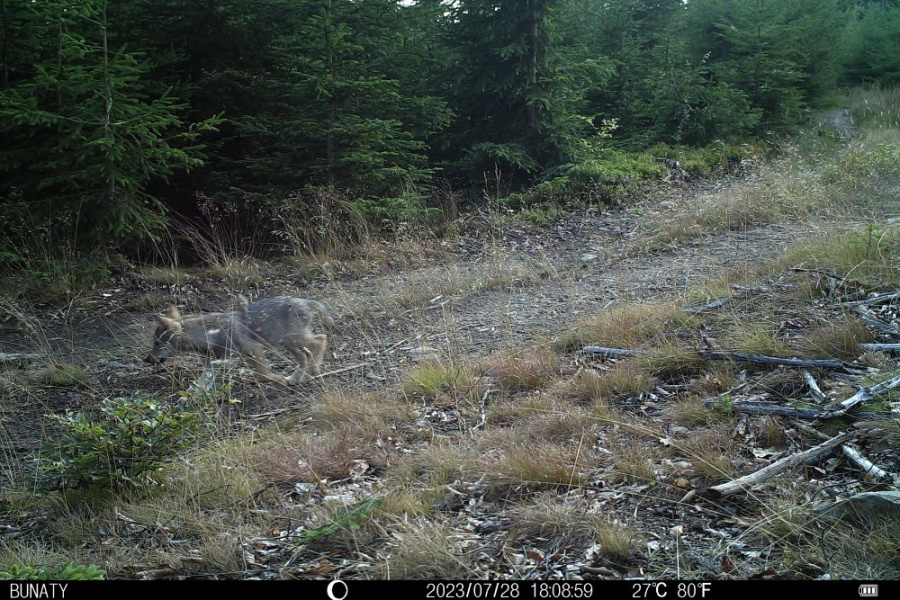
{"x": 711, "y": 306}
{"x": 814, "y": 391}
{"x": 863, "y": 395}
{"x": 609, "y": 352}
{"x": 482, "y": 421}
{"x": 873, "y": 300}
{"x": 875, "y": 323}
{"x": 839, "y": 410}
{"x": 762, "y": 408}
{"x": 856, "y": 457}
{"x": 17, "y": 357}
{"x": 350, "y": 368}
{"x": 773, "y": 360}
{"x": 880, "y": 347}
{"x": 868, "y": 467}
{"x": 801, "y": 458}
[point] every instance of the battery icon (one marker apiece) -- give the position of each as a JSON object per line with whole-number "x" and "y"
{"x": 868, "y": 590}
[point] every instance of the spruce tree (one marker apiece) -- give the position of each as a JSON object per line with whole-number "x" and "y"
{"x": 83, "y": 132}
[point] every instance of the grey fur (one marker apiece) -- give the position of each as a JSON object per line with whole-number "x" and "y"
{"x": 249, "y": 330}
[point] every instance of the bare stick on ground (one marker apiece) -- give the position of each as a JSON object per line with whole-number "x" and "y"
{"x": 874, "y": 300}
{"x": 762, "y": 408}
{"x": 880, "y": 347}
{"x": 609, "y": 352}
{"x": 817, "y": 394}
{"x": 863, "y": 395}
{"x": 855, "y": 456}
{"x": 801, "y": 458}
{"x": 350, "y": 368}
{"x": 711, "y": 306}
{"x": 773, "y": 360}
{"x": 866, "y": 466}
{"x": 833, "y": 412}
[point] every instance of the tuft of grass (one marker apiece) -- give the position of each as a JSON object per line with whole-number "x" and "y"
{"x": 169, "y": 275}
{"x": 719, "y": 377}
{"x": 630, "y": 326}
{"x": 671, "y": 362}
{"x": 433, "y": 378}
{"x": 572, "y": 425}
{"x": 303, "y": 458}
{"x": 524, "y": 370}
{"x": 238, "y": 271}
{"x": 625, "y": 379}
{"x": 710, "y": 450}
{"x": 876, "y": 107}
{"x": 62, "y": 375}
{"x": 425, "y": 287}
{"x": 858, "y": 549}
{"x": 772, "y": 434}
{"x": 541, "y": 463}
{"x": 867, "y": 256}
{"x": 421, "y": 549}
{"x": 783, "y": 191}
{"x": 349, "y": 525}
{"x": 839, "y": 340}
{"x": 408, "y": 502}
{"x": 441, "y": 463}
{"x": 757, "y": 338}
{"x": 44, "y": 268}
{"x": 692, "y": 412}
{"x": 635, "y": 459}
{"x": 150, "y": 302}
{"x": 508, "y": 411}
{"x": 364, "y": 416}
{"x": 566, "y": 525}
{"x": 785, "y": 515}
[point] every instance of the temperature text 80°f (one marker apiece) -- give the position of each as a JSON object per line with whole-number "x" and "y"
{"x": 662, "y": 589}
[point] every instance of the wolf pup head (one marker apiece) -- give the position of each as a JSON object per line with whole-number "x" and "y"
{"x": 168, "y": 328}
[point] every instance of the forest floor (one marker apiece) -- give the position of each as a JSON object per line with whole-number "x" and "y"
{"x": 510, "y": 287}
{"x": 503, "y": 290}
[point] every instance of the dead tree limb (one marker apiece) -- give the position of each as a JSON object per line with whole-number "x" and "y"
{"x": 833, "y": 412}
{"x": 17, "y": 357}
{"x": 788, "y": 462}
{"x": 814, "y": 391}
{"x": 880, "y": 347}
{"x": 773, "y": 360}
{"x": 762, "y": 408}
{"x": 875, "y": 323}
{"x": 873, "y": 300}
{"x": 711, "y": 306}
{"x": 350, "y": 368}
{"x": 609, "y": 352}
{"x": 863, "y": 395}
{"x": 866, "y": 466}
{"x": 851, "y": 452}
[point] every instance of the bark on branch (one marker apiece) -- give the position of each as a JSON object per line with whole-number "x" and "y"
{"x": 789, "y": 462}
{"x": 773, "y": 360}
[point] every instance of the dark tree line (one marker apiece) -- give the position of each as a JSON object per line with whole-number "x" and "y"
{"x": 115, "y": 112}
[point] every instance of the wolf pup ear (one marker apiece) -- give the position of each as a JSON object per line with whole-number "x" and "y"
{"x": 171, "y": 311}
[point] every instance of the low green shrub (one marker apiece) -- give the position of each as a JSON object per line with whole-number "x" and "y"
{"x": 132, "y": 438}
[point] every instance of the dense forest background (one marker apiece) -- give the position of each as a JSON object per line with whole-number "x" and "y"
{"x": 117, "y": 117}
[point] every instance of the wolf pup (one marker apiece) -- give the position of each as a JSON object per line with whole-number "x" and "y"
{"x": 249, "y": 330}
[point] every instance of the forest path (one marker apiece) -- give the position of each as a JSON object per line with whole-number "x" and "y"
{"x": 841, "y": 120}
{"x": 518, "y": 285}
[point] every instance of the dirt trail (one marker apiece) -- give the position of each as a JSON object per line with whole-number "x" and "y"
{"x": 841, "y": 120}
{"x": 528, "y": 283}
